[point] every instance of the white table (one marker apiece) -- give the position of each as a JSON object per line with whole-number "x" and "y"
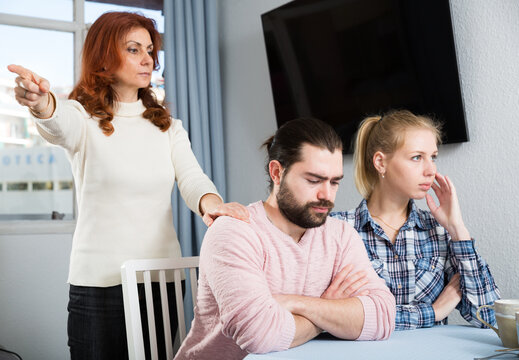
{"x": 439, "y": 342}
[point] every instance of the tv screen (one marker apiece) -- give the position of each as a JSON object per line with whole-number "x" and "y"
{"x": 343, "y": 60}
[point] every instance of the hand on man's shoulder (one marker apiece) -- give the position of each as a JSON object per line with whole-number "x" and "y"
{"x": 227, "y": 232}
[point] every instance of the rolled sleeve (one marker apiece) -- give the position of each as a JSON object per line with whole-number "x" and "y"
{"x": 476, "y": 282}
{"x": 370, "y": 320}
{"x": 414, "y": 316}
{"x": 463, "y": 249}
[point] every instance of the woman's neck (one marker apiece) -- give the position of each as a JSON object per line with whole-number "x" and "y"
{"x": 125, "y": 94}
{"x": 388, "y": 211}
{"x": 391, "y": 209}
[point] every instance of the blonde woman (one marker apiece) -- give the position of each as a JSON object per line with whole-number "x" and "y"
{"x": 427, "y": 258}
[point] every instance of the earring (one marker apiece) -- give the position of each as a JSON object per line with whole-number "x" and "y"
{"x": 383, "y": 175}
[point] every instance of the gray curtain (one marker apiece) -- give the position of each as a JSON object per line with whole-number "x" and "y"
{"x": 192, "y": 83}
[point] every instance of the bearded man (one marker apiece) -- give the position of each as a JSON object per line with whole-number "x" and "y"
{"x": 292, "y": 272}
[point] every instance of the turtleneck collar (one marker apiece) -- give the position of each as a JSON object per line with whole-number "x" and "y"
{"x": 130, "y": 109}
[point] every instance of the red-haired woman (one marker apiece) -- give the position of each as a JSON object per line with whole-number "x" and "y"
{"x": 126, "y": 152}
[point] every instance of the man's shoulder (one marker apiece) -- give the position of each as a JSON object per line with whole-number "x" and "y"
{"x": 234, "y": 240}
{"x": 338, "y": 229}
{"x": 229, "y": 229}
{"x": 223, "y": 222}
{"x": 339, "y": 223}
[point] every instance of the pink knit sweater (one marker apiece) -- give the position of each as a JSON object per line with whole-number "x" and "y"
{"x": 242, "y": 265}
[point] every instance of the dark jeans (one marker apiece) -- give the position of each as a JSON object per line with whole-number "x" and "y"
{"x": 96, "y": 327}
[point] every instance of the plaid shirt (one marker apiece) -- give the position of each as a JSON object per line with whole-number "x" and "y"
{"x": 420, "y": 263}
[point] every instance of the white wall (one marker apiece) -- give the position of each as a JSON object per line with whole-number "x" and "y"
{"x": 485, "y": 170}
{"x": 34, "y": 295}
{"x": 248, "y": 108}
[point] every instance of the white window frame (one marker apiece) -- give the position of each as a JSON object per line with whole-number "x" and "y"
{"x": 78, "y": 28}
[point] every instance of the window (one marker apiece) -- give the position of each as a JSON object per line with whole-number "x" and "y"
{"x": 40, "y": 9}
{"x": 35, "y": 177}
{"x": 27, "y": 160}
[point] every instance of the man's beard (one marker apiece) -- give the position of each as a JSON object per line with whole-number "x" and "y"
{"x": 301, "y": 215}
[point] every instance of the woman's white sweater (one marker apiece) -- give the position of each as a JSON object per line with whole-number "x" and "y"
{"x": 123, "y": 186}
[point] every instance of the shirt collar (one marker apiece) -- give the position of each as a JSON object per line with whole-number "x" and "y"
{"x": 363, "y": 214}
{"x": 413, "y": 220}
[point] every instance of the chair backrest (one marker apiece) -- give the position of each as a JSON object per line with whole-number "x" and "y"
{"x": 8, "y": 355}
{"x": 130, "y": 272}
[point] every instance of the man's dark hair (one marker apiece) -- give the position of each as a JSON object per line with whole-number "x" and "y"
{"x": 285, "y": 145}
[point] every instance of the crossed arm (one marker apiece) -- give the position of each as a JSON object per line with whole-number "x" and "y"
{"x": 258, "y": 321}
{"x": 339, "y": 311}
{"x": 343, "y": 318}
{"x": 336, "y": 311}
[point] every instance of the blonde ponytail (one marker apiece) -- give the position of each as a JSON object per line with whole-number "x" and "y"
{"x": 386, "y": 134}
{"x": 364, "y": 177}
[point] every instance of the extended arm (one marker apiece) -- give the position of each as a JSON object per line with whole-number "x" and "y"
{"x": 58, "y": 123}
{"x": 197, "y": 190}
{"x": 33, "y": 91}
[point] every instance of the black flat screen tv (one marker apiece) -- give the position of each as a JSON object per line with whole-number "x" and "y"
{"x": 342, "y": 60}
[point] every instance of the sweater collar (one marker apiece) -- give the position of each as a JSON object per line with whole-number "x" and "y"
{"x": 130, "y": 109}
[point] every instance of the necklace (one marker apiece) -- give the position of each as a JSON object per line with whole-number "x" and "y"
{"x": 391, "y": 227}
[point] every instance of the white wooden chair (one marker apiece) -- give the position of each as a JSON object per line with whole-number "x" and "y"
{"x": 130, "y": 272}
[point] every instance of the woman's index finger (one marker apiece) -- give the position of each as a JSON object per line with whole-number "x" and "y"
{"x": 21, "y": 71}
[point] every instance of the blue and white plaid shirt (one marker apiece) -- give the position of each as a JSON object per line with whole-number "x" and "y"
{"x": 420, "y": 263}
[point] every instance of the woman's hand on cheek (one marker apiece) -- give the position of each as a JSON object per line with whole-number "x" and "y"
{"x": 448, "y": 213}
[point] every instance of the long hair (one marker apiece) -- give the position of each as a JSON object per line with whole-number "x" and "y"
{"x": 286, "y": 144}
{"x": 386, "y": 134}
{"x": 101, "y": 58}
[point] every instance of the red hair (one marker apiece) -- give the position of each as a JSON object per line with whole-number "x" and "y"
{"x": 101, "y": 57}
